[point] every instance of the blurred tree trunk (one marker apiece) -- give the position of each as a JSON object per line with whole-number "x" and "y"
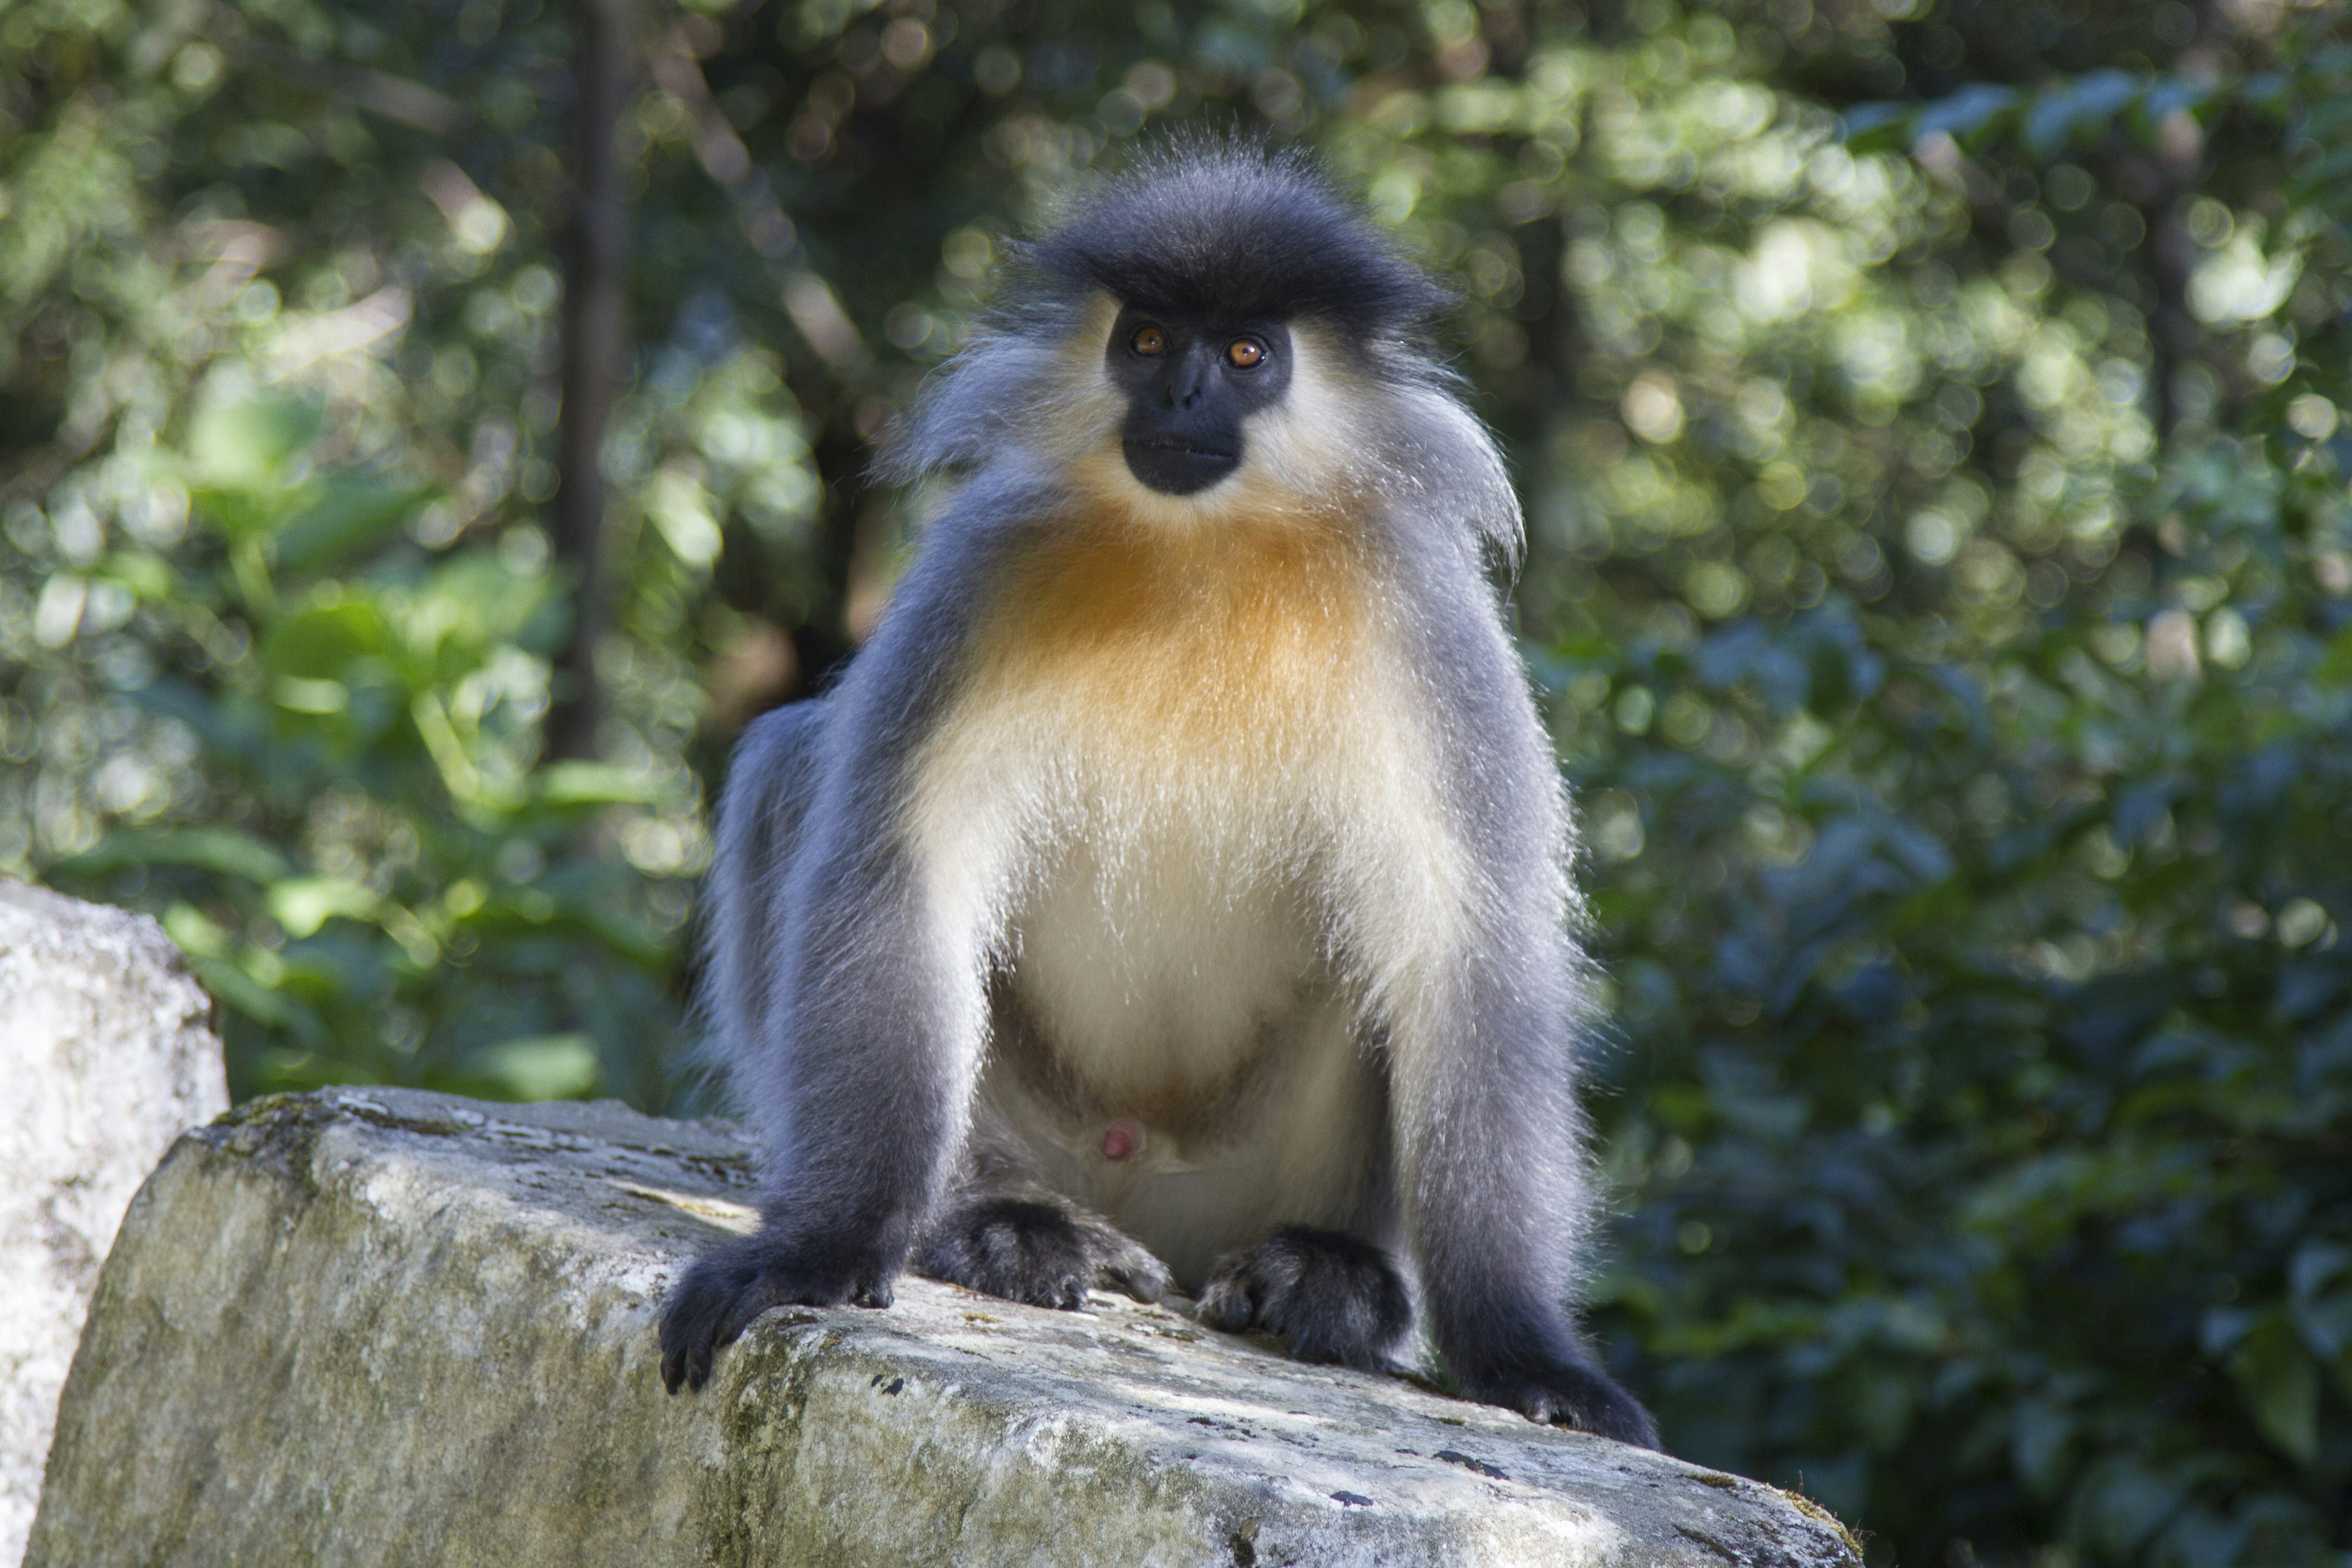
{"x": 596, "y": 353}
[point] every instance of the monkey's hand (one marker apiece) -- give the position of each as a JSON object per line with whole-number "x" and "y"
{"x": 1562, "y": 1390}
{"x": 1035, "y": 1250}
{"x": 729, "y": 1285}
{"x": 1334, "y": 1298}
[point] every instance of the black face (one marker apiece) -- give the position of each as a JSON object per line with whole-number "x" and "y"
{"x": 1190, "y": 382}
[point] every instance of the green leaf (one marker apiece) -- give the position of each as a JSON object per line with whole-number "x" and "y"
{"x": 2039, "y": 1435}
{"x": 2336, "y": 665}
{"x": 224, "y": 979}
{"x": 2122, "y": 1502}
{"x": 149, "y": 576}
{"x": 245, "y": 445}
{"x": 1971, "y": 116}
{"x": 595, "y": 783}
{"x": 351, "y": 514}
{"x": 545, "y": 1066}
{"x": 279, "y": 1069}
{"x": 320, "y": 641}
{"x": 2279, "y": 1381}
{"x": 221, "y": 849}
{"x": 2080, "y": 108}
{"x": 305, "y": 903}
{"x": 1877, "y": 127}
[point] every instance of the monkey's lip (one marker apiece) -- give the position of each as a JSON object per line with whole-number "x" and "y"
{"x": 1180, "y": 447}
{"x": 1175, "y": 467}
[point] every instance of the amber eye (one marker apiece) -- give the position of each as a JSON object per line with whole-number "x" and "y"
{"x": 1245, "y": 354}
{"x": 1148, "y": 342}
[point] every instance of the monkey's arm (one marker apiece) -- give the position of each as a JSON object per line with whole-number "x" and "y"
{"x": 1486, "y": 1023}
{"x": 858, "y": 1034}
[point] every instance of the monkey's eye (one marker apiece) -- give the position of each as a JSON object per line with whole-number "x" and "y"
{"x": 1148, "y": 342}
{"x": 1245, "y": 353}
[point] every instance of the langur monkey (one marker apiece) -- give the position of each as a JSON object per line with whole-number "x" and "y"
{"x": 1173, "y": 892}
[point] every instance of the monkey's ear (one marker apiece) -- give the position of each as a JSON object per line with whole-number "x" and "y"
{"x": 981, "y": 403}
{"x": 1458, "y": 482}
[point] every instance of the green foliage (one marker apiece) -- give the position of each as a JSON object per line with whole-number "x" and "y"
{"x": 1930, "y": 417}
{"x": 387, "y": 889}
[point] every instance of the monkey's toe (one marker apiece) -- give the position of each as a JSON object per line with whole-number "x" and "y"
{"x": 727, "y": 1288}
{"x": 1565, "y": 1393}
{"x": 1333, "y": 1297}
{"x": 1021, "y": 1250}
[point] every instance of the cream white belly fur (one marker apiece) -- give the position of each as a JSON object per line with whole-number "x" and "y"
{"x": 1203, "y": 1008}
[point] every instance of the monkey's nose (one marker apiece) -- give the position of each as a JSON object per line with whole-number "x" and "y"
{"x": 1191, "y": 382}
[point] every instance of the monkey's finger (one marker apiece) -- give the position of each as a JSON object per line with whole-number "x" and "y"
{"x": 1139, "y": 1276}
{"x": 676, "y": 1341}
{"x": 741, "y": 1314}
{"x": 686, "y": 1357}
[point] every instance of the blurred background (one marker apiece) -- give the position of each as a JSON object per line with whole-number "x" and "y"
{"x": 429, "y": 432}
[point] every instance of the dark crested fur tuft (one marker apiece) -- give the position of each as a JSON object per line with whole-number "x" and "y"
{"x": 1238, "y": 231}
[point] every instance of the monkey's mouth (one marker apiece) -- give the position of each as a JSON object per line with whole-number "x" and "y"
{"x": 1176, "y": 467}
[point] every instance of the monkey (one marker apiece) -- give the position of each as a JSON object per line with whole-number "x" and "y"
{"x": 1172, "y": 893}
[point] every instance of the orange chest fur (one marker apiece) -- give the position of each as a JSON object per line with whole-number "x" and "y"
{"x": 1183, "y": 638}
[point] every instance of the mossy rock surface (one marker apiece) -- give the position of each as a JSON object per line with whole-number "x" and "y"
{"x": 379, "y": 1326}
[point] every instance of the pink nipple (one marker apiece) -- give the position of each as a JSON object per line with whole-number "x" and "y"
{"x": 1122, "y": 1138}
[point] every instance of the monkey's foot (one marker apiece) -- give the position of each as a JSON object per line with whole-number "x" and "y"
{"x": 1334, "y": 1298}
{"x": 1563, "y": 1392}
{"x": 729, "y": 1285}
{"x": 1036, "y": 1252}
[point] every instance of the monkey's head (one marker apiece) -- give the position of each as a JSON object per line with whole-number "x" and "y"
{"x": 1217, "y": 323}
{"x": 1227, "y": 266}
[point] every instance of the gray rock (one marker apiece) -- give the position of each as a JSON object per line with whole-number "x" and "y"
{"x": 390, "y": 1326}
{"x": 106, "y": 1053}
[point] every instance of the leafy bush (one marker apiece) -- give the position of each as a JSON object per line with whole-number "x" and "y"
{"x": 377, "y": 880}
{"x": 1987, "y": 1057}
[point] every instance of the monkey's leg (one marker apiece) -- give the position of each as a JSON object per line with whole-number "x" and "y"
{"x": 770, "y": 781}
{"x": 1003, "y": 1233}
{"x": 1334, "y": 1298}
